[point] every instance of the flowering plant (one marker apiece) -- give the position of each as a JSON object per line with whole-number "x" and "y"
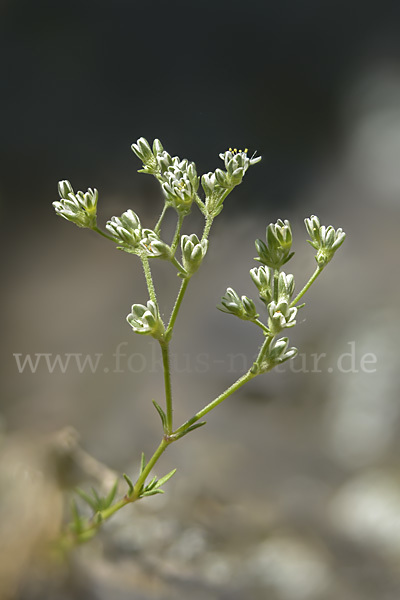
{"x": 180, "y": 185}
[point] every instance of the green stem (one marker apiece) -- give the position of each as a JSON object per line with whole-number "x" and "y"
{"x": 149, "y": 278}
{"x": 146, "y": 471}
{"x": 175, "y": 241}
{"x": 105, "y": 235}
{"x": 158, "y": 224}
{"x": 228, "y": 392}
{"x": 178, "y": 265}
{"x": 175, "y": 310}
{"x": 309, "y": 283}
{"x": 264, "y": 348}
{"x": 207, "y": 227}
{"x": 262, "y": 325}
{"x": 200, "y": 204}
{"x": 167, "y": 384}
{"x": 68, "y": 540}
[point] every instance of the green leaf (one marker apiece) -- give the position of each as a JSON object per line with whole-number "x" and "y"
{"x": 142, "y": 463}
{"x": 191, "y": 428}
{"x": 151, "y": 484}
{"x": 76, "y": 525}
{"x": 162, "y": 414}
{"x": 164, "y": 479}
{"x": 88, "y": 499}
{"x": 151, "y": 493}
{"x": 111, "y": 495}
{"x": 96, "y": 496}
{"x": 130, "y": 484}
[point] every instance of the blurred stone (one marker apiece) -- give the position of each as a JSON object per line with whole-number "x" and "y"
{"x": 366, "y": 510}
{"x": 291, "y": 567}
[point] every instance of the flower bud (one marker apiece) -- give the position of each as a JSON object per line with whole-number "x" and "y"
{"x": 263, "y": 279}
{"x": 146, "y": 320}
{"x": 193, "y": 252}
{"x": 243, "y": 307}
{"x": 157, "y": 147}
{"x": 65, "y": 188}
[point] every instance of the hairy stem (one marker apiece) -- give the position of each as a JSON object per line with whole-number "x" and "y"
{"x": 175, "y": 240}
{"x": 207, "y": 227}
{"x": 149, "y": 278}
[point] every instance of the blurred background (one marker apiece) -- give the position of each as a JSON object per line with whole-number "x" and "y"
{"x": 292, "y": 491}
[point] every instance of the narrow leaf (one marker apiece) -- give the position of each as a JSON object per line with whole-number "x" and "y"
{"x": 142, "y": 463}
{"x": 129, "y": 482}
{"x": 151, "y": 484}
{"x": 96, "y": 496}
{"x": 151, "y": 493}
{"x": 192, "y": 428}
{"x": 88, "y": 499}
{"x": 161, "y": 413}
{"x": 111, "y": 495}
{"x": 164, "y": 479}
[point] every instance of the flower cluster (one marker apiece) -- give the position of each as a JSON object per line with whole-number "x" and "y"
{"x": 180, "y": 185}
{"x": 218, "y": 184}
{"x": 79, "y": 208}
{"x": 236, "y": 165}
{"x": 178, "y": 178}
{"x": 326, "y": 240}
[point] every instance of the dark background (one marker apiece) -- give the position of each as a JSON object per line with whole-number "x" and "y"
{"x": 292, "y": 488}
{"x": 82, "y": 80}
